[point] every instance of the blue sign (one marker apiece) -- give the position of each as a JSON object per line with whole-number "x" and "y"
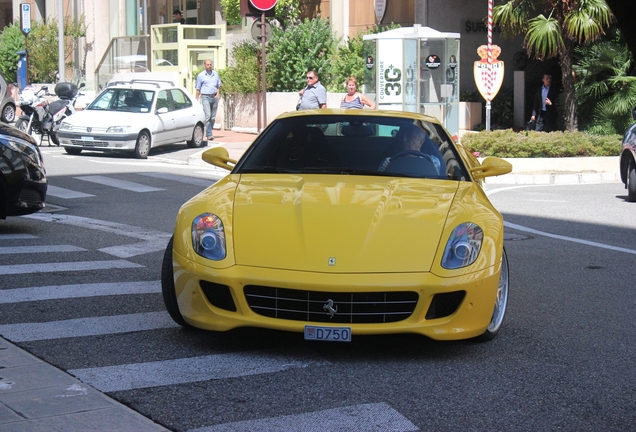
{"x": 25, "y": 18}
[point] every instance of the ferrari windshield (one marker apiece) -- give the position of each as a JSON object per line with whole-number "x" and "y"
{"x": 127, "y": 100}
{"x": 357, "y": 145}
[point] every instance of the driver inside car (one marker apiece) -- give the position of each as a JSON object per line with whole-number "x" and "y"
{"x": 413, "y": 153}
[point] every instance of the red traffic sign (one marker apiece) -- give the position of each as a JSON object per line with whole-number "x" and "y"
{"x": 263, "y": 5}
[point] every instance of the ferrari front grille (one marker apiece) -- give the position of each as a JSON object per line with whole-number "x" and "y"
{"x": 331, "y": 307}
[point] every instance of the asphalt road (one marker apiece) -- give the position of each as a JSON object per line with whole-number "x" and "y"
{"x": 563, "y": 360}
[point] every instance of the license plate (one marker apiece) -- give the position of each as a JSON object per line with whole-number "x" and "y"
{"x": 86, "y": 138}
{"x": 331, "y": 334}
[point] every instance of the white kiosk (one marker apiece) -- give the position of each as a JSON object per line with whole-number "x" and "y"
{"x": 414, "y": 69}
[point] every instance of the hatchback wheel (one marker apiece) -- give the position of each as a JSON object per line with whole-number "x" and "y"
{"x": 142, "y": 148}
{"x": 197, "y": 137}
{"x": 8, "y": 113}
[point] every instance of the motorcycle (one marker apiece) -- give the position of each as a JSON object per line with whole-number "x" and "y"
{"x": 44, "y": 118}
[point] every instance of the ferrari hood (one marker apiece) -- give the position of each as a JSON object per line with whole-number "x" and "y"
{"x": 324, "y": 224}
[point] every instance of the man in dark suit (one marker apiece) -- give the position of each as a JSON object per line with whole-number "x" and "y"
{"x": 543, "y": 109}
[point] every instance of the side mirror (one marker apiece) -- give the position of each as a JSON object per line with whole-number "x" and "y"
{"x": 162, "y": 110}
{"x": 491, "y": 166}
{"x": 82, "y": 85}
{"x": 219, "y": 156}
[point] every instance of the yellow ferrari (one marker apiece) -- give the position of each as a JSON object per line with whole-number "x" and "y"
{"x": 337, "y": 223}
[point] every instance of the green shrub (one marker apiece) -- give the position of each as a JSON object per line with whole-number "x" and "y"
{"x": 242, "y": 76}
{"x": 294, "y": 50}
{"x": 509, "y": 144}
{"x": 11, "y": 41}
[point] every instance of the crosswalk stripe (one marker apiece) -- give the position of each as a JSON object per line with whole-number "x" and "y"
{"x": 181, "y": 179}
{"x": 39, "y": 249}
{"x": 188, "y": 370}
{"x": 51, "y": 292}
{"x": 153, "y": 241}
{"x": 17, "y": 237}
{"x": 82, "y": 327}
{"x": 376, "y": 417}
{"x": 65, "y": 193}
{"x": 65, "y": 266}
{"x": 119, "y": 184}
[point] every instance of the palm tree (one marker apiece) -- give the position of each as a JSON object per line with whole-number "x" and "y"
{"x": 606, "y": 85}
{"x": 554, "y": 28}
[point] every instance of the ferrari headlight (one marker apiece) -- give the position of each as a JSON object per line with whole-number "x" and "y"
{"x": 118, "y": 129}
{"x": 208, "y": 236}
{"x": 463, "y": 246}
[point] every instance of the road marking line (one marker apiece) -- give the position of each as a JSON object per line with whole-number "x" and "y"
{"x": 570, "y": 239}
{"x": 153, "y": 241}
{"x": 65, "y": 193}
{"x": 51, "y": 292}
{"x": 82, "y": 327}
{"x": 119, "y": 184}
{"x": 188, "y": 370}
{"x": 181, "y": 179}
{"x": 364, "y": 417}
{"x": 65, "y": 267}
{"x": 555, "y": 236}
{"x": 39, "y": 249}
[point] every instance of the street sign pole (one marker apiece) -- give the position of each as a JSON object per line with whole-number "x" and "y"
{"x": 263, "y": 66}
{"x": 25, "y": 25}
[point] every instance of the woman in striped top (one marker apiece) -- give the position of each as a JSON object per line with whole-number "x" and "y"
{"x": 353, "y": 99}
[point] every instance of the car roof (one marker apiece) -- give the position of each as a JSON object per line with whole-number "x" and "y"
{"x": 142, "y": 84}
{"x": 360, "y": 112}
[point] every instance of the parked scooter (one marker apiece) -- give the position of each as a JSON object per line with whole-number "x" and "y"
{"x": 43, "y": 118}
{"x": 63, "y": 107}
{"x": 34, "y": 108}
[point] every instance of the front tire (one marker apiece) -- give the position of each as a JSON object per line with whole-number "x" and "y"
{"x": 8, "y": 113}
{"x": 501, "y": 301}
{"x": 22, "y": 125}
{"x": 72, "y": 151}
{"x": 142, "y": 148}
{"x": 631, "y": 182}
{"x": 167, "y": 287}
{"x": 54, "y": 139}
{"x": 197, "y": 137}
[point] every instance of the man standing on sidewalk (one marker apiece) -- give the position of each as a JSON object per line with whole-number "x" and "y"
{"x": 208, "y": 87}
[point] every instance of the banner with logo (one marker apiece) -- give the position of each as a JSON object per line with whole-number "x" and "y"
{"x": 390, "y": 74}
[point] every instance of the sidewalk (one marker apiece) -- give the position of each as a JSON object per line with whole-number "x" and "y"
{"x": 524, "y": 171}
{"x": 35, "y": 396}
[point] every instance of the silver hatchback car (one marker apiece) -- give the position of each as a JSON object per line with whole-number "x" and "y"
{"x": 7, "y": 103}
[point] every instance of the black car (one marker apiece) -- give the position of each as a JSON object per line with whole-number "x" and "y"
{"x": 22, "y": 174}
{"x": 628, "y": 160}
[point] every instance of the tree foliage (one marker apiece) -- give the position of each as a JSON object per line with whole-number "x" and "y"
{"x": 302, "y": 46}
{"x": 554, "y": 28}
{"x": 42, "y": 47}
{"x": 606, "y": 86}
{"x": 242, "y": 75}
{"x": 11, "y": 41}
{"x": 349, "y": 59}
